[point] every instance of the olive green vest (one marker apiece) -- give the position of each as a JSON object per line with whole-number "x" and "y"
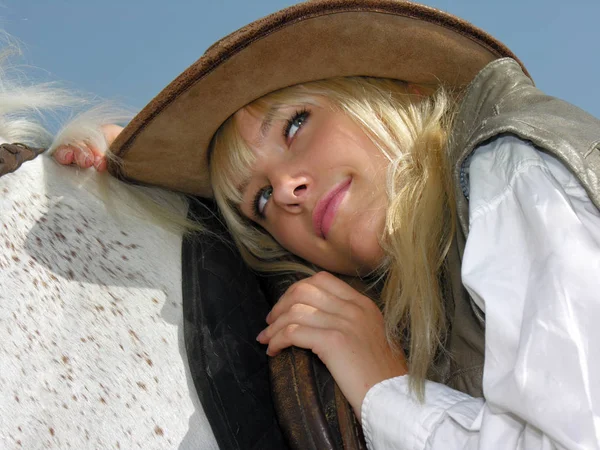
{"x": 502, "y": 100}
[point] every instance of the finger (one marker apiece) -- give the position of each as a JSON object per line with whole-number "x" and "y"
{"x": 314, "y": 339}
{"x": 94, "y": 150}
{"x": 322, "y": 290}
{"x": 83, "y": 156}
{"x": 110, "y": 131}
{"x": 307, "y": 294}
{"x": 100, "y": 163}
{"x": 64, "y": 155}
{"x": 299, "y": 314}
{"x": 333, "y": 285}
{"x": 341, "y": 289}
{"x": 98, "y": 156}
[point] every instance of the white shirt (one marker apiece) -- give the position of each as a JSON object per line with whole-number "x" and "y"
{"x": 532, "y": 263}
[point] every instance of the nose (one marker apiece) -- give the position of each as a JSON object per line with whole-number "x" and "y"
{"x": 290, "y": 192}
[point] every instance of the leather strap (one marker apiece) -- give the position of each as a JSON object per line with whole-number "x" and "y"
{"x": 13, "y": 155}
{"x": 350, "y": 429}
{"x": 297, "y": 401}
{"x": 312, "y": 412}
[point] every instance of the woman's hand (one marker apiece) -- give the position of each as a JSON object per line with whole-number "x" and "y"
{"x": 342, "y": 327}
{"x": 87, "y": 155}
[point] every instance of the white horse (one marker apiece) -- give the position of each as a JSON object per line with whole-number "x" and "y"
{"x": 91, "y": 327}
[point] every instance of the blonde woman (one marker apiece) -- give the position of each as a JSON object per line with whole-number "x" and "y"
{"x": 390, "y": 142}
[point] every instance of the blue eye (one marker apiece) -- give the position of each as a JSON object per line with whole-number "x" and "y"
{"x": 260, "y": 201}
{"x": 294, "y": 124}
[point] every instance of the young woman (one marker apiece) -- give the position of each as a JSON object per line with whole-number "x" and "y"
{"x": 338, "y": 138}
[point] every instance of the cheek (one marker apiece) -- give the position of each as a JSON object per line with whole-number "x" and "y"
{"x": 289, "y": 234}
{"x": 365, "y": 237}
{"x": 296, "y": 239}
{"x": 366, "y": 254}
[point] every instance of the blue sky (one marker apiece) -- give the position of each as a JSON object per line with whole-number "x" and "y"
{"x": 130, "y": 49}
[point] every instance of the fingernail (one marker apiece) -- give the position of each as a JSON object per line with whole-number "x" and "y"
{"x": 260, "y": 336}
{"x": 97, "y": 162}
{"x": 88, "y": 161}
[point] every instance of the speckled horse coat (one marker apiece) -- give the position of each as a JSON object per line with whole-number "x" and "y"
{"x": 91, "y": 328}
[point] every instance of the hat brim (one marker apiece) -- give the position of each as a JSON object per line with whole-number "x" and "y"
{"x": 166, "y": 143}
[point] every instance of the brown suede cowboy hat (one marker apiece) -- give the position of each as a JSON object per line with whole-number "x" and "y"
{"x": 166, "y": 143}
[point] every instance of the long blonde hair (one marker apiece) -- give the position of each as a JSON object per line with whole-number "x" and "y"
{"x": 410, "y": 130}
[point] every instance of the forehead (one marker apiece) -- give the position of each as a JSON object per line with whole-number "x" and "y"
{"x": 249, "y": 123}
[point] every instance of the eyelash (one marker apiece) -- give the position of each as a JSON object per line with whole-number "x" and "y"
{"x": 257, "y": 213}
{"x": 300, "y": 116}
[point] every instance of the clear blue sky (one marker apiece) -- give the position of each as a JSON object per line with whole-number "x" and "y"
{"x": 130, "y": 49}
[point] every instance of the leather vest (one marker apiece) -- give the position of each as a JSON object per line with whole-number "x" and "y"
{"x": 502, "y": 100}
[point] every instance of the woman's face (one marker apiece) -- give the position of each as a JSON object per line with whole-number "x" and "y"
{"x": 317, "y": 186}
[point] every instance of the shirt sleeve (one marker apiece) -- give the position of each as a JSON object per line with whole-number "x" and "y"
{"x": 532, "y": 263}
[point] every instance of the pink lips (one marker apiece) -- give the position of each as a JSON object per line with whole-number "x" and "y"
{"x": 326, "y": 208}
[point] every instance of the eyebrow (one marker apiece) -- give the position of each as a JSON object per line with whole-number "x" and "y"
{"x": 267, "y": 122}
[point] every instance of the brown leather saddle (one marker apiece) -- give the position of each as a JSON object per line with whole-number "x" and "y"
{"x": 251, "y": 401}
